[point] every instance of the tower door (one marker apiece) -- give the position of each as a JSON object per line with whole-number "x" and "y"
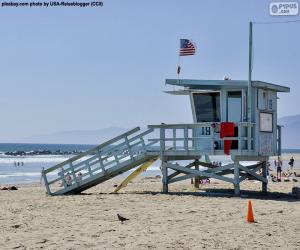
{"x": 234, "y": 106}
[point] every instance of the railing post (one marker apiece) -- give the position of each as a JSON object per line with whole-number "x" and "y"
{"x": 143, "y": 142}
{"x": 174, "y": 138}
{"x": 186, "y": 135}
{"x": 100, "y": 161}
{"x": 62, "y": 175}
{"x": 46, "y": 181}
{"x": 73, "y": 173}
{"x": 249, "y": 128}
{"x": 162, "y": 141}
{"x": 212, "y": 134}
{"x": 129, "y": 148}
{"x": 240, "y": 137}
{"x": 89, "y": 168}
{"x": 116, "y": 158}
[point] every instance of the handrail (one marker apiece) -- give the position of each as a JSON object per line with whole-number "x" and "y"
{"x": 194, "y": 125}
{"x": 88, "y": 152}
{"x": 201, "y": 137}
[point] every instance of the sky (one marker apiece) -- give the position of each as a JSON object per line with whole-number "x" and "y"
{"x": 67, "y": 69}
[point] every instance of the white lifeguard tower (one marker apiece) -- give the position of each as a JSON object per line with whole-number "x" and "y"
{"x": 217, "y": 102}
{"x": 213, "y": 103}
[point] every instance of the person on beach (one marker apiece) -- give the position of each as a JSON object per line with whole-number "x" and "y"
{"x": 291, "y": 163}
{"x": 296, "y": 175}
{"x": 279, "y": 168}
{"x": 79, "y": 177}
{"x": 68, "y": 179}
{"x": 268, "y": 169}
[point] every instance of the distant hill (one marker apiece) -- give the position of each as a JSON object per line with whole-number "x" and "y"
{"x": 77, "y": 136}
{"x": 290, "y": 131}
{"x": 290, "y": 134}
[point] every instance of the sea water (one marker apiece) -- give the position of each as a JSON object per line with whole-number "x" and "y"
{"x": 27, "y": 169}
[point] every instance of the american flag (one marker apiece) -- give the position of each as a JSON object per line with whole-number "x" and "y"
{"x": 187, "y": 48}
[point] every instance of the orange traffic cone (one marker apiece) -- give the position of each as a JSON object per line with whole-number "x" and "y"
{"x": 250, "y": 217}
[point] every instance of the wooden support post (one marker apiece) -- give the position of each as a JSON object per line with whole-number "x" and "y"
{"x": 264, "y": 172}
{"x": 197, "y": 179}
{"x": 236, "y": 179}
{"x": 165, "y": 177}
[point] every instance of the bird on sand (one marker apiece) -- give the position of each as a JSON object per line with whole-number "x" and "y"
{"x": 121, "y": 218}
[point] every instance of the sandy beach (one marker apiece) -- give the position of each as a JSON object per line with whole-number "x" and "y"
{"x": 184, "y": 219}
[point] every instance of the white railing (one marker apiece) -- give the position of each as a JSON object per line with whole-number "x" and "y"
{"x": 202, "y": 138}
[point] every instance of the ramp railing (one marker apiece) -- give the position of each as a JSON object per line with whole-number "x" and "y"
{"x": 107, "y": 157}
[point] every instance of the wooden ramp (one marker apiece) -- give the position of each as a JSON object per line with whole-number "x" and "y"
{"x": 99, "y": 164}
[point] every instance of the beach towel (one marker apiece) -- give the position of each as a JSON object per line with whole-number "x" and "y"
{"x": 227, "y": 130}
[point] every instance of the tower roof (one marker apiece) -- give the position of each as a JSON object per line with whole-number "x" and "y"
{"x": 191, "y": 84}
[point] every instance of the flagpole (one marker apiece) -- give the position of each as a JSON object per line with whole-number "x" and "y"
{"x": 250, "y": 75}
{"x": 178, "y": 68}
{"x": 178, "y": 65}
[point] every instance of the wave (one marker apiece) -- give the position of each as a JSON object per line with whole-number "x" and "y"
{"x": 33, "y": 159}
{"x": 19, "y": 174}
{"x": 23, "y": 174}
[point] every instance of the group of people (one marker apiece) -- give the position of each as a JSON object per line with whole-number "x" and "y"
{"x": 17, "y": 163}
{"x": 278, "y": 165}
{"x": 68, "y": 178}
{"x": 217, "y": 164}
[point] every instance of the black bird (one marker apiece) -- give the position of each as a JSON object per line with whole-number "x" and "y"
{"x": 121, "y": 218}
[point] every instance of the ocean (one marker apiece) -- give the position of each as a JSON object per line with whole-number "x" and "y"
{"x": 27, "y": 168}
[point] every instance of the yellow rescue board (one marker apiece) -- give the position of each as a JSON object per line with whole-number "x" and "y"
{"x": 135, "y": 173}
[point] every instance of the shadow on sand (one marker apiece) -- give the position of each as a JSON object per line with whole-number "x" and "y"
{"x": 225, "y": 193}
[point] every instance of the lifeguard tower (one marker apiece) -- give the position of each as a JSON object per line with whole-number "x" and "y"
{"x": 220, "y": 110}
{"x": 222, "y": 125}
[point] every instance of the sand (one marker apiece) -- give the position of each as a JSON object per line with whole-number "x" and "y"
{"x": 30, "y": 219}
